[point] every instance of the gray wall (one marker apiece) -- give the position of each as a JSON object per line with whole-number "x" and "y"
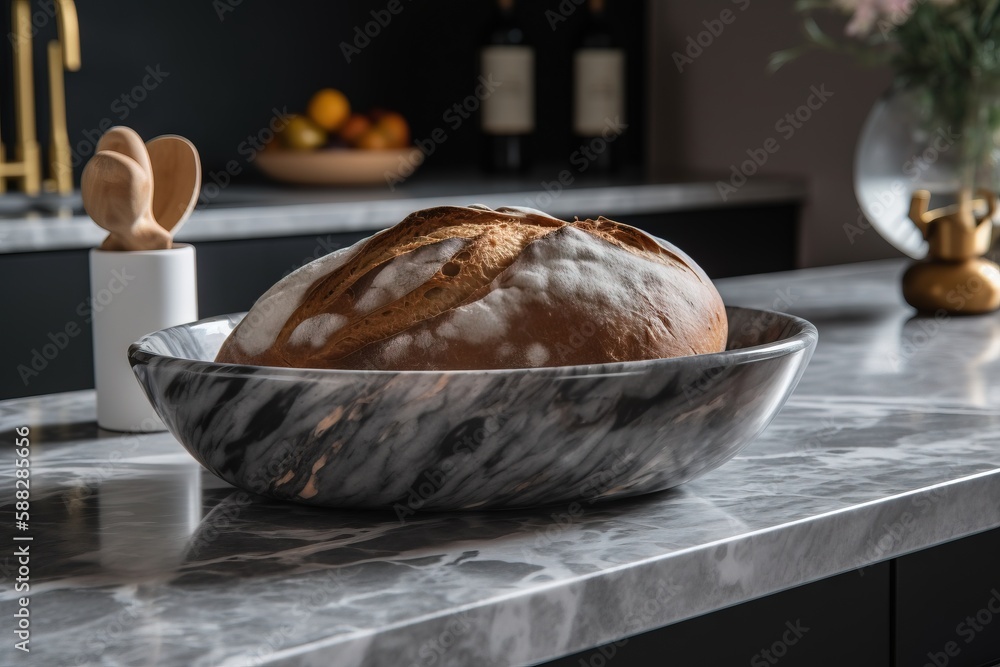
{"x": 705, "y": 118}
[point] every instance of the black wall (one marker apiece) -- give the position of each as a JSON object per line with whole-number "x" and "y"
{"x": 230, "y": 62}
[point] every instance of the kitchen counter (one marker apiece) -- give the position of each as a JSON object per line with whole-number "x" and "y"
{"x": 889, "y": 446}
{"x": 254, "y": 212}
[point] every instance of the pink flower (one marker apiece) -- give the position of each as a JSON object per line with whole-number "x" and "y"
{"x": 897, "y": 11}
{"x": 865, "y": 13}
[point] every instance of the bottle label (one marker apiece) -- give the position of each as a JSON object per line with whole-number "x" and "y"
{"x": 510, "y": 108}
{"x": 598, "y": 90}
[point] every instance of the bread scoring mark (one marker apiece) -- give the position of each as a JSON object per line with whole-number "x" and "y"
{"x": 527, "y": 211}
{"x": 405, "y": 273}
{"x": 493, "y": 242}
{"x": 260, "y": 328}
{"x": 417, "y": 230}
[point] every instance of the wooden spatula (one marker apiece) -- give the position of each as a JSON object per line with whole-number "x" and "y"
{"x": 176, "y": 170}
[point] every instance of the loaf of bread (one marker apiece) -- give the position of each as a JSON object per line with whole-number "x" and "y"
{"x": 475, "y": 288}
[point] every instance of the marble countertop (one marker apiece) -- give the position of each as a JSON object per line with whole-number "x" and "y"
{"x": 242, "y": 212}
{"x": 890, "y": 444}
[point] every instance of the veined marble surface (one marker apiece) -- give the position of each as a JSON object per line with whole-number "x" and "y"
{"x": 262, "y": 212}
{"x": 890, "y": 444}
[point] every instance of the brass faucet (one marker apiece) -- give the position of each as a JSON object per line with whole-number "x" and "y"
{"x": 63, "y": 54}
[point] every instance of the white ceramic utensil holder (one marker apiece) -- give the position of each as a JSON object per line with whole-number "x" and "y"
{"x": 134, "y": 293}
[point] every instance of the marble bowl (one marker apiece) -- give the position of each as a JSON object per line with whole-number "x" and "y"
{"x": 445, "y": 440}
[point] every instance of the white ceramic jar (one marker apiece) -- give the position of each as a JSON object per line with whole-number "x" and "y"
{"x": 134, "y": 293}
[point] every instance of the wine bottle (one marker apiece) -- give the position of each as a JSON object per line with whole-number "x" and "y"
{"x": 598, "y": 89}
{"x": 508, "y": 113}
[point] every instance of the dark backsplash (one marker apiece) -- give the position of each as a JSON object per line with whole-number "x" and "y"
{"x": 224, "y": 65}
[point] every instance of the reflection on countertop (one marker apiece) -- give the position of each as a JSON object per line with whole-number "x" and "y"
{"x": 145, "y": 558}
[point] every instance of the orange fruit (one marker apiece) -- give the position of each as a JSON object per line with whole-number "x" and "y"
{"x": 302, "y": 134}
{"x": 329, "y": 108}
{"x": 395, "y": 127}
{"x": 374, "y": 140}
{"x": 355, "y": 126}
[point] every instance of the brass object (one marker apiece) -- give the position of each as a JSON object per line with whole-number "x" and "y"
{"x": 954, "y": 277}
{"x": 63, "y": 54}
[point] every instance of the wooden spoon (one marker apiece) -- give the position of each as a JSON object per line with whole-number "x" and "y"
{"x": 126, "y": 141}
{"x": 117, "y": 194}
{"x": 176, "y": 171}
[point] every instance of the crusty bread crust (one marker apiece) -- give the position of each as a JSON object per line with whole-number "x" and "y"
{"x": 474, "y": 288}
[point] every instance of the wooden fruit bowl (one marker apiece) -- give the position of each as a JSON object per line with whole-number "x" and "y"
{"x": 339, "y": 166}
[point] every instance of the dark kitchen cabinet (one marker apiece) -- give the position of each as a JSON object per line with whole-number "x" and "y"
{"x": 840, "y": 621}
{"x": 939, "y": 607}
{"x": 729, "y": 241}
{"x": 947, "y": 602}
